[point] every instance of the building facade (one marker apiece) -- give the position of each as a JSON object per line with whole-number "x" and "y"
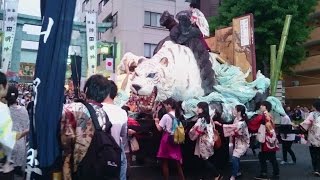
{"x": 303, "y": 87}
{"x": 210, "y": 7}
{"x": 136, "y": 27}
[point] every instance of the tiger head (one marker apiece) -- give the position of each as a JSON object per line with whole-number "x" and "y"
{"x": 153, "y": 80}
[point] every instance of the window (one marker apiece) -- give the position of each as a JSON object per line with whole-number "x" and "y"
{"x": 115, "y": 20}
{"x": 108, "y": 19}
{"x": 100, "y": 7}
{"x": 152, "y": 19}
{"x": 99, "y": 35}
{"x": 148, "y": 49}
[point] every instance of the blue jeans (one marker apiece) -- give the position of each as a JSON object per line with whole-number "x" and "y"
{"x": 235, "y": 166}
{"x": 123, "y": 170}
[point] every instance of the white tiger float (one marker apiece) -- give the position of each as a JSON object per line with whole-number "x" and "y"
{"x": 173, "y": 72}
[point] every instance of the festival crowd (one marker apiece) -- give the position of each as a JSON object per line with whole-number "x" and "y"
{"x": 211, "y": 135}
{"x": 99, "y": 139}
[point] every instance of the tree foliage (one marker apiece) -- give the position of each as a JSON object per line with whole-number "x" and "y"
{"x": 269, "y": 16}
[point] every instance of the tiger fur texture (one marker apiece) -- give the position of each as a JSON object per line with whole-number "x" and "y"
{"x": 173, "y": 71}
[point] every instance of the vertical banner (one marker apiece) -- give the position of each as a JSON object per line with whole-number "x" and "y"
{"x": 243, "y": 44}
{"x": 91, "y": 27}
{"x": 48, "y": 86}
{"x": 10, "y": 24}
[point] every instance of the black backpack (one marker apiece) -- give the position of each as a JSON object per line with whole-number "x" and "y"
{"x": 103, "y": 158}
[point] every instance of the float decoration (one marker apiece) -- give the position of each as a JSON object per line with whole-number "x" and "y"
{"x": 184, "y": 71}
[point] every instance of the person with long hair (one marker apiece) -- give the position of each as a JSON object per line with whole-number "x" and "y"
{"x": 204, "y": 136}
{"x": 168, "y": 150}
{"x": 20, "y": 121}
{"x": 241, "y": 139}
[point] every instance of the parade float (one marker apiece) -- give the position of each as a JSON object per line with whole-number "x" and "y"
{"x": 182, "y": 68}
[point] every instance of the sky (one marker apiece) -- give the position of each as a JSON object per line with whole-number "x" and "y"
{"x": 30, "y": 7}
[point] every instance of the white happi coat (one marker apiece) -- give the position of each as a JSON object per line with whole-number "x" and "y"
{"x": 239, "y": 131}
{"x": 312, "y": 125}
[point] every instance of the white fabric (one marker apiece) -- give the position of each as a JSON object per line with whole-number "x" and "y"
{"x": 285, "y": 120}
{"x": 205, "y": 143}
{"x": 7, "y": 137}
{"x": 261, "y": 135}
{"x": 312, "y": 125}
{"x": 166, "y": 123}
{"x": 20, "y": 119}
{"x": 178, "y": 77}
{"x": 242, "y": 139}
{"x": 118, "y": 118}
{"x": 201, "y": 21}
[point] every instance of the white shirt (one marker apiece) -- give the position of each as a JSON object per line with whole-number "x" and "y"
{"x": 118, "y": 118}
{"x": 166, "y": 122}
{"x": 7, "y": 137}
{"x": 285, "y": 120}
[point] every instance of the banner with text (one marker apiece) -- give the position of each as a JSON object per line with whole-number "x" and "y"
{"x": 91, "y": 27}
{"x": 10, "y": 23}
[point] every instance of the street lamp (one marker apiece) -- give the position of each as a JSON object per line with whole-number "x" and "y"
{"x": 108, "y": 50}
{"x": 105, "y": 50}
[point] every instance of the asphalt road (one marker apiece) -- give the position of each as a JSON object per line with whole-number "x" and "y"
{"x": 249, "y": 167}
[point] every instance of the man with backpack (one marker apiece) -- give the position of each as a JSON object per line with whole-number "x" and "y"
{"x": 118, "y": 118}
{"x": 89, "y": 150}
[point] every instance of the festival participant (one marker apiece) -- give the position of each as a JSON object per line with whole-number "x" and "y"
{"x": 202, "y": 132}
{"x": 168, "y": 150}
{"x": 77, "y": 126}
{"x": 241, "y": 139}
{"x": 7, "y": 136}
{"x": 312, "y": 126}
{"x": 118, "y": 118}
{"x": 270, "y": 145}
{"x": 287, "y": 141}
{"x": 133, "y": 128}
{"x": 306, "y": 113}
{"x": 221, "y": 155}
{"x": 20, "y": 120}
{"x": 199, "y": 20}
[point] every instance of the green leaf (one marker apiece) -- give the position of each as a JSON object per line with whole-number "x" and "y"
{"x": 269, "y": 16}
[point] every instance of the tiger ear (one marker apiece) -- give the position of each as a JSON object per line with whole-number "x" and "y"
{"x": 164, "y": 61}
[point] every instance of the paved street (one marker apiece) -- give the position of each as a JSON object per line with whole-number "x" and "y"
{"x": 249, "y": 165}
